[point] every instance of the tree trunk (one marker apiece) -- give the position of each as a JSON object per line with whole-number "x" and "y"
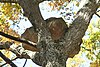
{"x": 55, "y": 51}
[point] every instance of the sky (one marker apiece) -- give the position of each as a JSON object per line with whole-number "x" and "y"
{"x": 28, "y": 64}
{"x": 26, "y": 24}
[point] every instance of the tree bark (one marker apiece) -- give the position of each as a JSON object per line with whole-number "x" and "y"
{"x": 79, "y": 26}
{"x": 55, "y": 54}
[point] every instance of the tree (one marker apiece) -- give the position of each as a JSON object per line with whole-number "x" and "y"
{"x": 54, "y": 47}
{"x": 91, "y": 44}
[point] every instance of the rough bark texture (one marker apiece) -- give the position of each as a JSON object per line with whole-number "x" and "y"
{"x": 80, "y": 24}
{"x": 55, "y": 53}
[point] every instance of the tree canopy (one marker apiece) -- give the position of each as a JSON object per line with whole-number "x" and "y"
{"x": 52, "y": 41}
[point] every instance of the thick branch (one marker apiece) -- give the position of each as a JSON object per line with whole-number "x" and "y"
{"x": 79, "y": 26}
{"x": 32, "y": 11}
{"x": 18, "y": 39}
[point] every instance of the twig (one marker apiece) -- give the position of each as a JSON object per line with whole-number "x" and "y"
{"x": 25, "y": 63}
{"x": 86, "y": 49}
{"x": 6, "y": 63}
{"x": 97, "y": 15}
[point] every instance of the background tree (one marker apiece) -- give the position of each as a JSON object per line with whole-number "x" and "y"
{"x": 54, "y": 47}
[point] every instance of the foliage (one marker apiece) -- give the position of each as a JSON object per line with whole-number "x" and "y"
{"x": 66, "y": 10}
{"x": 58, "y": 4}
{"x": 76, "y": 61}
{"x": 92, "y": 44}
{"x": 8, "y": 12}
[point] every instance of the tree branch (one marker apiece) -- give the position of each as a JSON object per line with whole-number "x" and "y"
{"x": 25, "y": 63}
{"x": 86, "y": 48}
{"x": 97, "y": 15}
{"x": 32, "y": 11}
{"x": 7, "y": 60}
{"x": 8, "y": 1}
{"x": 18, "y": 39}
{"x": 78, "y": 27}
